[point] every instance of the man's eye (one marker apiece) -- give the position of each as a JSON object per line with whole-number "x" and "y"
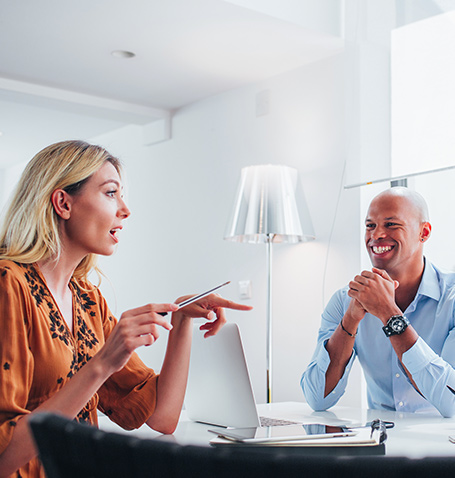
{"x": 369, "y": 226}
{"x": 391, "y": 224}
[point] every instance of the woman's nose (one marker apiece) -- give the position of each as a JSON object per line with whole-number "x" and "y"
{"x": 124, "y": 212}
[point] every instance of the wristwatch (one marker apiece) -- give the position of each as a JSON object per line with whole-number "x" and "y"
{"x": 396, "y": 325}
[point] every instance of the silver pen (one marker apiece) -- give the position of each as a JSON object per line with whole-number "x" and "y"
{"x": 196, "y": 297}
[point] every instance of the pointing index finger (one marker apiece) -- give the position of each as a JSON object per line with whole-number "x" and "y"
{"x": 229, "y": 304}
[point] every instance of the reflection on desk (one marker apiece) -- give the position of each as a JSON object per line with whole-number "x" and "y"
{"x": 415, "y": 435}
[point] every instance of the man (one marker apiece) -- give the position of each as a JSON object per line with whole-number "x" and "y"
{"x": 398, "y": 319}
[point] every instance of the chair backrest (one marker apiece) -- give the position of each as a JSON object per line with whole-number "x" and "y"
{"x": 72, "y": 450}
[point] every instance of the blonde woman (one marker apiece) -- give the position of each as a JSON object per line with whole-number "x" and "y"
{"x": 61, "y": 350}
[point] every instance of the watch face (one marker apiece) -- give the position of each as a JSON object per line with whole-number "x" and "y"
{"x": 397, "y": 324}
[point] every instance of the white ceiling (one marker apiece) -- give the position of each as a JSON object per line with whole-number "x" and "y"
{"x": 58, "y": 78}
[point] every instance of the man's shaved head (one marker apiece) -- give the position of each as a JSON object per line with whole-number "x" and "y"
{"x": 415, "y": 200}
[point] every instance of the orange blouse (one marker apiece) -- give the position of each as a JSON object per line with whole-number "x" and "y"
{"x": 38, "y": 355}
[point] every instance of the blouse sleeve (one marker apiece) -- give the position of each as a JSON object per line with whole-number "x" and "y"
{"x": 16, "y": 360}
{"x": 128, "y": 397}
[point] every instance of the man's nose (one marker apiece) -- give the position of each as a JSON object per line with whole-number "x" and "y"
{"x": 378, "y": 233}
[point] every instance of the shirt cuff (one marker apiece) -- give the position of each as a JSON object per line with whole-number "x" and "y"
{"x": 323, "y": 358}
{"x": 418, "y": 356}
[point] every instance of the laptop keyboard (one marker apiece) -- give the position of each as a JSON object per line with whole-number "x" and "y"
{"x": 274, "y": 422}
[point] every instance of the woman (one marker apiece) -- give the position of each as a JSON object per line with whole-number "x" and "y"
{"x": 60, "y": 348}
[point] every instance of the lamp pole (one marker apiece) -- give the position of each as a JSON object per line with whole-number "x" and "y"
{"x": 269, "y": 317}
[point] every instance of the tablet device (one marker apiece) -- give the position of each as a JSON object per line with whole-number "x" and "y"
{"x": 283, "y": 433}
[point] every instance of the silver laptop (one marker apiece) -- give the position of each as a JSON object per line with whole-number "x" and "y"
{"x": 219, "y": 390}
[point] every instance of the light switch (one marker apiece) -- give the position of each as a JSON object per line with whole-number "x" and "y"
{"x": 245, "y": 289}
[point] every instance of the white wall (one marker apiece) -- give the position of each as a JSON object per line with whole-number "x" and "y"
{"x": 181, "y": 192}
{"x": 8, "y": 180}
{"x": 423, "y": 103}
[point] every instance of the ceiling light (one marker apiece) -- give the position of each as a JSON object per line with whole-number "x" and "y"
{"x": 123, "y": 54}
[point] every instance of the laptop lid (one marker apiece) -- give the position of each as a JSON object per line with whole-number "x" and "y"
{"x": 219, "y": 390}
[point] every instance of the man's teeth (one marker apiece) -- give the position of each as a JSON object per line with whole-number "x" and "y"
{"x": 381, "y": 249}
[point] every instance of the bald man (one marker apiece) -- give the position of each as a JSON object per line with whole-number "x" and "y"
{"x": 398, "y": 319}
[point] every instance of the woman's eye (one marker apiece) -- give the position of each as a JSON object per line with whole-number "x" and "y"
{"x": 111, "y": 193}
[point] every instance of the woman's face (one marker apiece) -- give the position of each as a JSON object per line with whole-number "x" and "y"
{"x": 96, "y": 214}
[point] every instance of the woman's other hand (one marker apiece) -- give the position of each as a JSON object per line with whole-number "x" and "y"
{"x": 136, "y": 327}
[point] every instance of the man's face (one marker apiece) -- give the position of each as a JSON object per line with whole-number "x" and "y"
{"x": 393, "y": 232}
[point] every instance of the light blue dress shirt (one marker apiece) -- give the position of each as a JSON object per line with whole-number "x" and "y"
{"x": 431, "y": 360}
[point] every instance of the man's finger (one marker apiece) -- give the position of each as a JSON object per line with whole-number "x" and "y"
{"x": 382, "y": 273}
{"x": 353, "y": 285}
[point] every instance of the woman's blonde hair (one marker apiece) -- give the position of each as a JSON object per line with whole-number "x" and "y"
{"x": 30, "y": 227}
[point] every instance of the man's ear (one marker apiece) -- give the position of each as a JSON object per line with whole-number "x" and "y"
{"x": 425, "y": 231}
{"x": 61, "y": 201}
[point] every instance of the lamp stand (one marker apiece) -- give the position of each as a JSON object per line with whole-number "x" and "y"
{"x": 266, "y": 210}
{"x": 269, "y": 318}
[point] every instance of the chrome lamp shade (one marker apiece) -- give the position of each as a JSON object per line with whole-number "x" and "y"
{"x": 269, "y": 206}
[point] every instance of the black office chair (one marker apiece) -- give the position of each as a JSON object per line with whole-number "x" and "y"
{"x": 72, "y": 450}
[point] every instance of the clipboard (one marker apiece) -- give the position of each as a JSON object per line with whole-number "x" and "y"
{"x": 367, "y": 441}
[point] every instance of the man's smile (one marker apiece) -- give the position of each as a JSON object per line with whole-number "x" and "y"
{"x": 381, "y": 249}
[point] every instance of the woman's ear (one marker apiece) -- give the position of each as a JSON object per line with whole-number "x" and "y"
{"x": 61, "y": 201}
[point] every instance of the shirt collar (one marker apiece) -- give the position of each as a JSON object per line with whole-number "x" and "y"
{"x": 429, "y": 285}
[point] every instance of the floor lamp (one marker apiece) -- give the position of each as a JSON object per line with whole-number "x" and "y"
{"x": 269, "y": 207}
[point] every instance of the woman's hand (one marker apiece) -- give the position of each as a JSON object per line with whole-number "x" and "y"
{"x": 136, "y": 327}
{"x": 211, "y": 308}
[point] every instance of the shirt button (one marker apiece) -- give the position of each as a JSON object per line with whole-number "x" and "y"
{"x": 400, "y": 404}
{"x": 397, "y": 375}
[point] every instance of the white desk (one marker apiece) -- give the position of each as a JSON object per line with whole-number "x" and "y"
{"x": 414, "y": 435}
